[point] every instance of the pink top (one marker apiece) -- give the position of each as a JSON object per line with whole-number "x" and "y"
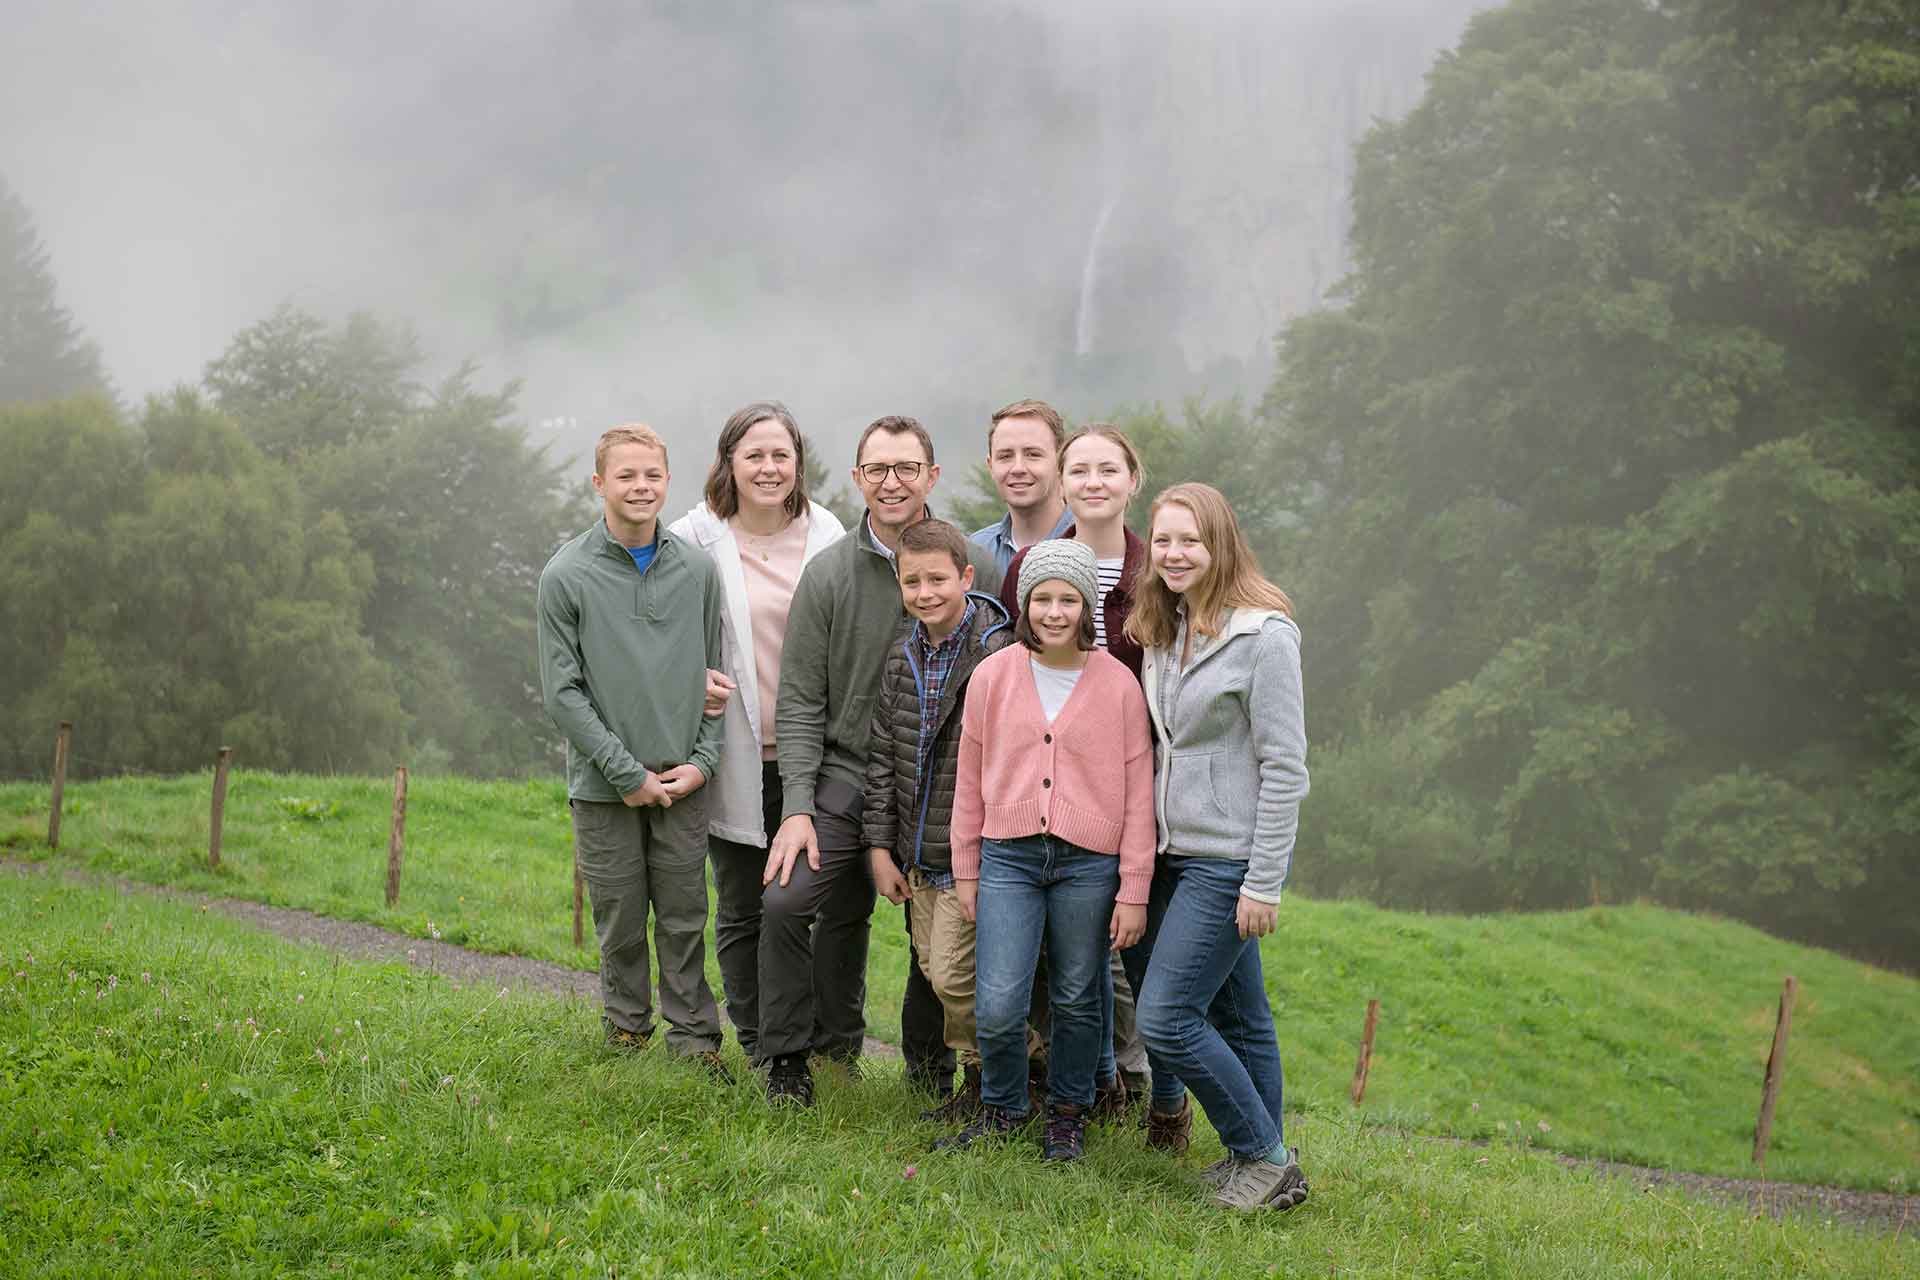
{"x": 1020, "y": 776}
{"x": 772, "y": 568}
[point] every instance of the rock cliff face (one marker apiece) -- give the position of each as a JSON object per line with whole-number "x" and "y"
{"x": 1226, "y": 136}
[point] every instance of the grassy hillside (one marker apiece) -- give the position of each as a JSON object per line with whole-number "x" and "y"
{"x": 182, "y": 1095}
{"x": 1637, "y": 1034}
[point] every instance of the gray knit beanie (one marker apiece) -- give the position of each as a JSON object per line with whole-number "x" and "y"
{"x": 1071, "y": 562}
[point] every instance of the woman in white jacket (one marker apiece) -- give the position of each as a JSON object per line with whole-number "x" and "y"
{"x": 760, "y": 528}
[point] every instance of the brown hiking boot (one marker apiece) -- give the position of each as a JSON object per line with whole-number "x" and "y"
{"x": 1036, "y": 1086}
{"x": 1111, "y": 1101}
{"x": 961, "y": 1105}
{"x": 1171, "y": 1133}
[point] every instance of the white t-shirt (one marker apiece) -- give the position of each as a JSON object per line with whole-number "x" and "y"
{"x": 1054, "y": 685}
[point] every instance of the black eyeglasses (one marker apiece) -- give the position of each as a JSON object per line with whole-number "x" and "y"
{"x": 876, "y": 472}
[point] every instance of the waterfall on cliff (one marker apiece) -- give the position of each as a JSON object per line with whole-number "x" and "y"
{"x": 1089, "y": 281}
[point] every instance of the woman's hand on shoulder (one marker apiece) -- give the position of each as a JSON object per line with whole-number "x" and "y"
{"x": 1255, "y": 919}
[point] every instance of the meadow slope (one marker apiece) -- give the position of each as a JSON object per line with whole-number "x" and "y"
{"x": 1629, "y": 1033}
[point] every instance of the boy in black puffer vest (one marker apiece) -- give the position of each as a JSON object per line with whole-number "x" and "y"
{"x": 910, "y": 771}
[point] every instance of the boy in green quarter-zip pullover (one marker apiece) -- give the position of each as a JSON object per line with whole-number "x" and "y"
{"x": 629, "y": 625}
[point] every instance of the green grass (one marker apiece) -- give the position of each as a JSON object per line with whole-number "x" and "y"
{"x": 1632, "y": 1033}
{"x": 180, "y": 1094}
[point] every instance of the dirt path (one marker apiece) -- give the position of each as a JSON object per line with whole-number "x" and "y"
{"x": 1875, "y": 1209}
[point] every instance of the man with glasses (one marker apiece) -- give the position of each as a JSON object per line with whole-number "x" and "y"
{"x": 819, "y": 894}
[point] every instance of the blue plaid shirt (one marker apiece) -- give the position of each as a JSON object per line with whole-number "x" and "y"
{"x": 936, "y": 665}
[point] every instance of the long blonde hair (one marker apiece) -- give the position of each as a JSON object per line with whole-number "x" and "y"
{"x": 1232, "y": 581}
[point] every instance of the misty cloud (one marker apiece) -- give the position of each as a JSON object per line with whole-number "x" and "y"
{"x": 857, "y": 207}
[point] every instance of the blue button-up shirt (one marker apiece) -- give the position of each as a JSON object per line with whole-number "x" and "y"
{"x": 997, "y": 538}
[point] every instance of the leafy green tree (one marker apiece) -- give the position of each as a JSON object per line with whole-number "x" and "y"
{"x": 453, "y": 509}
{"x": 43, "y": 354}
{"x": 165, "y": 589}
{"x": 1606, "y": 472}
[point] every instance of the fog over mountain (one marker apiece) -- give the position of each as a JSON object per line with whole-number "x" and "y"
{"x": 662, "y": 211}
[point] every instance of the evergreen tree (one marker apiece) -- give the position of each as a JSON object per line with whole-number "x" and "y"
{"x": 43, "y": 354}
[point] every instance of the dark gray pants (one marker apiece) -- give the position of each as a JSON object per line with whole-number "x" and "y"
{"x": 813, "y": 939}
{"x": 633, "y": 861}
{"x": 736, "y": 918}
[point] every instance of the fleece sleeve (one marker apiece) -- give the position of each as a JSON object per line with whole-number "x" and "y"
{"x": 1278, "y": 715}
{"x": 707, "y": 740}
{"x": 563, "y": 688}
{"x": 800, "y": 712}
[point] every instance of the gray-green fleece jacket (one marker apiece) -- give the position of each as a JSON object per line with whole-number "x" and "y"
{"x": 624, "y": 658}
{"x": 839, "y": 627}
{"x": 1231, "y": 768}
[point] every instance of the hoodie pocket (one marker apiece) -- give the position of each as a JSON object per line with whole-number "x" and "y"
{"x": 1190, "y": 781}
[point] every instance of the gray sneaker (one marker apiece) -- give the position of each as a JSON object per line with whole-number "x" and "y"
{"x": 1259, "y": 1184}
{"x": 1216, "y": 1174}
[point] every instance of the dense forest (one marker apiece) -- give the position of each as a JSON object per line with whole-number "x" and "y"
{"x": 1597, "y": 484}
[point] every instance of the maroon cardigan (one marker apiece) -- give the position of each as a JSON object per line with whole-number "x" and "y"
{"x": 1119, "y": 600}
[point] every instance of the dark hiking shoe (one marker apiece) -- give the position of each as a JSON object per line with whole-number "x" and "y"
{"x": 1261, "y": 1184}
{"x": 991, "y": 1124}
{"x": 1111, "y": 1101}
{"x": 961, "y": 1105}
{"x": 790, "y": 1081}
{"x": 847, "y": 1063}
{"x": 624, "y": 1040}
{"x": 1172, "y": 1133}
{"x": 930, "y": 1080}
{"x": 1066, "y": 1132}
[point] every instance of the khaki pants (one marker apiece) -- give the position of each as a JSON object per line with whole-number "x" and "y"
{"x": 640, "y": 860}
{"x": 943, "y": 936}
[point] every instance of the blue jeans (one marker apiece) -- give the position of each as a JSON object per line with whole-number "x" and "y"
{"x": 1034, "y": 886}
{"x": 1204, "y": 1011}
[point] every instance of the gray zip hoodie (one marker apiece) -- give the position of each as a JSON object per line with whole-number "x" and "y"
{"x": 1230, "y": 728}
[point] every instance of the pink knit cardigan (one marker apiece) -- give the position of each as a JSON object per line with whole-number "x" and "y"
{"x": 1086, "y": 778}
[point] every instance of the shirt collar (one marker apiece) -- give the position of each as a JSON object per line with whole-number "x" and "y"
{"x": 953, "y": 636}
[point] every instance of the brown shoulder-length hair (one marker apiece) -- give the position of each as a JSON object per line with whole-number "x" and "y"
{"x": 1084, "y": 637}
{"x": 722, "y": 494}
{"x": 1232, "y": 581}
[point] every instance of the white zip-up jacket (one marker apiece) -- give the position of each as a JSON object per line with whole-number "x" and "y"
{"x": 734, "y": 810}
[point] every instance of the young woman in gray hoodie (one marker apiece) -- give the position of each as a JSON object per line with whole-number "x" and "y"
{"x": 1222, "y": 681}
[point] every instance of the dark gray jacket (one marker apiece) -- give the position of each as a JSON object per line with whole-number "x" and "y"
{"x": 908, "y": 811}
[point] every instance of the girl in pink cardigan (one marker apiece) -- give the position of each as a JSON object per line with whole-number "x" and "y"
{"x": 1053, "y": 835}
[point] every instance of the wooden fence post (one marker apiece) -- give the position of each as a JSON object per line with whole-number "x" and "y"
{"x": 219, "y": 814}
{"x": 62, "y": 742}
{"x": 578, "y": 935}
{"x": 1776, "y": 1067}
{"x": 1361, "y": 1068}
{"x": 396, "y": 841}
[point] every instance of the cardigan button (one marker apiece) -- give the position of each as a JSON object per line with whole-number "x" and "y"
{"x": 1046, "y": 737}
{"x": 1046, "y": 782}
